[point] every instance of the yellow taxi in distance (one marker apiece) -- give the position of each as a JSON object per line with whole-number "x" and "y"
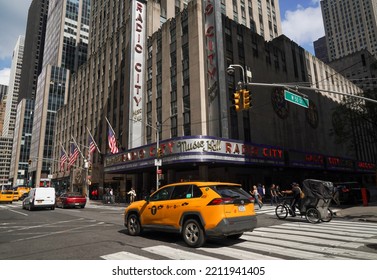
{"x": 196, "y": 210}
{"x": 6, "y": 196}
{"x": 22, "y": 189}
{"x": 16, "y": 196}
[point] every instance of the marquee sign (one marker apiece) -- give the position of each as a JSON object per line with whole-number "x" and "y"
{"x": 199, "y": 148}
{"x": 138, "y": 31}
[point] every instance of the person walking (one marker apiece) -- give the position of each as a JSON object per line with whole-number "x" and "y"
{"x": 261, "y": 191}
{"x": 256, "y": 195}
{"x": 132, "y": 194}
{"x": 273, "y": 194}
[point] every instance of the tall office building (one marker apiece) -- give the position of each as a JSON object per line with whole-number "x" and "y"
{"x": 31, "y": 68}
{"x": 168, "y": 89}
{"x": 14, "y": 87}
{"x": 10, "y": 111}
{"x": 34, "y": 48}
{"x": 65, "y": 50}
{"x": 21, "y": 143}
{"x": 350, "y": 26}
{"x": 3, "y": 96}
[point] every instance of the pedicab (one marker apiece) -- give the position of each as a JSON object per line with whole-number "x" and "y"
{"x": 315, "y": 203}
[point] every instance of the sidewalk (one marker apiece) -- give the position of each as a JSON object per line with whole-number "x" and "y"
{"x": 101, "y": 203}
{"x": 359, "y": 213}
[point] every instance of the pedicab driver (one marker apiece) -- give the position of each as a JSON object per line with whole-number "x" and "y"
{"x": 295, "y": 191}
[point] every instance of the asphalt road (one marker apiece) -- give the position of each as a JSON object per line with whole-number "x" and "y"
{"x": 97, "y": 232}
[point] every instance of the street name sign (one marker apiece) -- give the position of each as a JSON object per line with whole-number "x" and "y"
{"x": 296, "y": 99}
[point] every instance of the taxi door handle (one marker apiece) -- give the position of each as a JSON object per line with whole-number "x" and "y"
{"x": 160, "y": 206}
{"x": 184, "y": 204}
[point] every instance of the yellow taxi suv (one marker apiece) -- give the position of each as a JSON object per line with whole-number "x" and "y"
{"x": 6, "y": 196}
{"x": 196, "y": 210}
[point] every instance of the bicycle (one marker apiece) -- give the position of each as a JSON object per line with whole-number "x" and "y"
{"x": 284, "y": 208}
{"x": 312, "y": 214}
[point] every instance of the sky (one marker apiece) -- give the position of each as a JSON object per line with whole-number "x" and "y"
{"x": 301, "y": 22}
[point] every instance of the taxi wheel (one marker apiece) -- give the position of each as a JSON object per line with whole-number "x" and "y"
{"x": 133, "y": 225}
{"x": 193, "y": 233}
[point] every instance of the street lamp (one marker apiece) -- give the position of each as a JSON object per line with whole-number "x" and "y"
{"x": 158, "y": 161}
{"x": 230, "y": 70}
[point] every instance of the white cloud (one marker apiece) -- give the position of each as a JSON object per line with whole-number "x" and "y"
{"x": 4, "y": 76}
{"x": 13, "y": 18}
{"x": 304, "y": 25}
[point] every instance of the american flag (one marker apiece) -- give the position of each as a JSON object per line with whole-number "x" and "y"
{"x": 112, "y": 142}
{"x": 92, "y": 145}
{"x": 73, "y": 155}
{"x": 63, "y": 159}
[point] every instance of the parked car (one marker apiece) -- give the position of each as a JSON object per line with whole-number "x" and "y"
{"x": 42, "y": 197}
{"x": 71, "y": 199}
{"x": 196, "y": 210}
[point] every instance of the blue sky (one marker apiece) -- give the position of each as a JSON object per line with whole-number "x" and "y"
{"x": 301, "y": 22}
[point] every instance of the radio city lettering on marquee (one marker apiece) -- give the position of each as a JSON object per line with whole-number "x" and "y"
{"x": 314, "y": 158}
{"x": 366, "y": 165}
{"x": 138, "y": 66}
{"x": 200, "y": 145}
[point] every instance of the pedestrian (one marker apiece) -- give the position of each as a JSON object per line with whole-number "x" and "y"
{"x": 132, "y": 194}
{"x": 295, "y": 191}
{"x": 257, "y": 197}
{"x": 335, "y": 196}
{"x": 273, "y": 195}
{"x": 260, "y": 192}
{"x": 278, "y": 193}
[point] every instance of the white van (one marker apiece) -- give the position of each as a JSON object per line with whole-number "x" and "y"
{"x": 40, "y": 198}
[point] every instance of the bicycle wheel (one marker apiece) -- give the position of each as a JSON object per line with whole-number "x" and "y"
{"x": 281, "y": 211}
{"x": 328, "y": 217}
{"x": 312, "y": 215}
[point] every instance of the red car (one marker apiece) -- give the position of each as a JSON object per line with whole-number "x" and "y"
{"x": 71, "y": 199}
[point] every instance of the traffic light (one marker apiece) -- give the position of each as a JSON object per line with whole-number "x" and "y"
{"x": 159, "y": 152}
{"x": 237, "y": 97}
{"x": 29, "y": 161}
{"x": 246, "y": 99}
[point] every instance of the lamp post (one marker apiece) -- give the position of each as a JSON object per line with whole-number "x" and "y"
{"x": 158, "y": 161}
{"x": 230, "y": 71}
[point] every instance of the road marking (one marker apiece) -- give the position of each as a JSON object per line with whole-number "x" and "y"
{"x": 340, "y": 252}
{"x": 14, "y": 211}
{"x": 237, "y": 253}
{"x": 331, "y": 241}
{"x": 124, "y": 256}
{"x": 176, "y": 254}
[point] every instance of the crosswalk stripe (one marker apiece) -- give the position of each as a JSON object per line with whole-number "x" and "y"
{"x": 177, "y": 254}
{"x": 124, "y": 256}
{"x": 334, "y": 240}
{"x": 312, "y": 234}
{"x": 237, "y": 254}
{"x": 306, "y": 239}
{"x": 289, "y": 252}
{"x": 341, "y": 252}
{"x": 330, "y": 230}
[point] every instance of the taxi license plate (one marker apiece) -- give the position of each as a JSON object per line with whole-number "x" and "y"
{"x": 241, "y": 208}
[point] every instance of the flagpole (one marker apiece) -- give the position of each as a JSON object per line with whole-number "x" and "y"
{"x": 61, "y": 145}
{"x": 110, "y": 126}
{"x": 77, "y": 147}
{"x": 93, "y": 140}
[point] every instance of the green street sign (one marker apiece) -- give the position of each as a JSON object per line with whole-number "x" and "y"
{"x": 296, "y": 99}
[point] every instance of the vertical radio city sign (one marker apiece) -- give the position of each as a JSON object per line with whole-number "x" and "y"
{"x": 138, "y": 30}
{"x": 216, "y": 87}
